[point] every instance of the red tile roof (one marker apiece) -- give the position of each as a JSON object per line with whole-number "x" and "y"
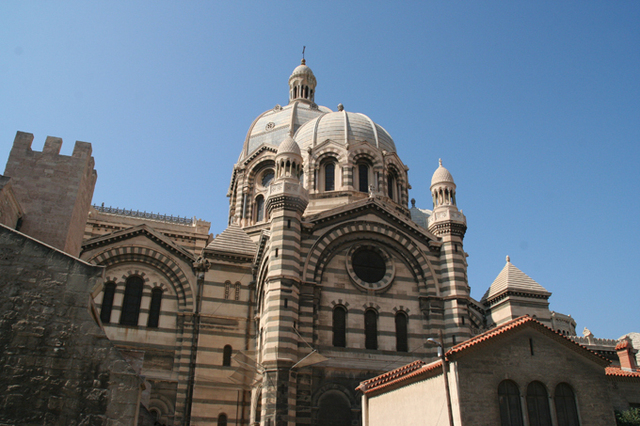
{"x": 525, "y": 320}
{"x": 417, "y": 369}
{"x": 618, "y": 372}
{"x": 400, "y": 375}
{"x": 623, "y": 345}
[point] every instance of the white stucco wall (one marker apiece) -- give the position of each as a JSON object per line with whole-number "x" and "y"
{"x": 423, "y": 403}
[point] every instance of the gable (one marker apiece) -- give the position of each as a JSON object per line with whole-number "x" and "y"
{"x": 142, "y": 235}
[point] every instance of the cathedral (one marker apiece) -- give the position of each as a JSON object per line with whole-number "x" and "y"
{"x": 323, "y": 278}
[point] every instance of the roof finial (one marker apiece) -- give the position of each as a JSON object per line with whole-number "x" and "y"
{"x": 508, "y": 259}
{"x": 340, "y": 107}
{"x": 440, "y": 161}
{"x": 303, "y": 62}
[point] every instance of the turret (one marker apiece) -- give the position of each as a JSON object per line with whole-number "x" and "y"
{"x": 286, "y": 201}
{"x": 446, "y": 218}
{"x": 448, "y": 223}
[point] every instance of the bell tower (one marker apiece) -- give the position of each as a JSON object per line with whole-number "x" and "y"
{"x": 448, "y": 223}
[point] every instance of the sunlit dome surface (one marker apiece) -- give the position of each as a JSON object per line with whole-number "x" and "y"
{"x": 344, "y": 128}
{"x": 273, "y": 126}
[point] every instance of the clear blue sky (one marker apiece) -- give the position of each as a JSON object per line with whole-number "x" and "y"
{"x": 534, "y": 107}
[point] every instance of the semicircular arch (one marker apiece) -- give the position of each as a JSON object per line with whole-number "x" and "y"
{"x": 326, "y": 246}
{"x": 158, "y": 260}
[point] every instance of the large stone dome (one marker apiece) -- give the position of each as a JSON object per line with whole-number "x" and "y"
{"x": 344, "y": 128}
{"x": 273, "y": 126}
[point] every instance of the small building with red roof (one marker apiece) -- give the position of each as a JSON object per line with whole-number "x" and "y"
{"x": 519, "y": 373}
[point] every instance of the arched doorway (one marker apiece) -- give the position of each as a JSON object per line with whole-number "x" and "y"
{"x": 334, "y": 409}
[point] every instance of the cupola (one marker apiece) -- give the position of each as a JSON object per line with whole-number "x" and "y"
{"x": 288, "y": 160}
{"x": 443, "y": 189}
{"x": 302, "y": 84}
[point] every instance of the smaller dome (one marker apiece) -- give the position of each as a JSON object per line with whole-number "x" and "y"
{"x": 345, "y": 128}
{"x": 303, "y": 69}
{"x": 289, "y": 146}
{"x": 441, "y": 175}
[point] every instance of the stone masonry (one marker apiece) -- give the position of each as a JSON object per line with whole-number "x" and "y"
{"x": 53, "y": 190}
{"x": 57, "y": 366}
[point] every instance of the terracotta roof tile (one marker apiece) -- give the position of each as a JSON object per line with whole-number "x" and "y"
{"x": 618, "y": 372}
{"x": 623, "y": 345}
{"x": 402, "y": 374}
{"x": 516, "y": 323}
{"x": 419, "y": 368}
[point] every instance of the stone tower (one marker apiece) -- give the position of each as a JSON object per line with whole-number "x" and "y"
{"x": 448, "y": 223}
{"x": 285, "y": 203}
{"x": 53, "y": 190}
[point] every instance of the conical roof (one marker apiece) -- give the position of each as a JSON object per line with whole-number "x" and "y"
{"x": 513, "y": 279}
{"x": 233, "y": 240}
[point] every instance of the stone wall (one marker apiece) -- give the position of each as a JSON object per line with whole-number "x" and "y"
{"x": 57, "y": 366}
{"x": 525, "y": 357}
{"x": 54, "y": 190}
{"x": 10, "y": 210}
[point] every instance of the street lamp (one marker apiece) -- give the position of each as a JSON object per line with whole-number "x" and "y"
{"x": 444, "y": 372}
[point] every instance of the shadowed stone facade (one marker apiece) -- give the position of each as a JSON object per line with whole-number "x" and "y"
{"x": 57, "y": 366}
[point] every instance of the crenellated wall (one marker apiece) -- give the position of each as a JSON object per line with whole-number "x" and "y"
{"x": 53, "y": 190}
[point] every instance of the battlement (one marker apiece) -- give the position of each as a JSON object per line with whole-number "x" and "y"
{"x": 52, "y": 146}
{"x": 54, "y": 190}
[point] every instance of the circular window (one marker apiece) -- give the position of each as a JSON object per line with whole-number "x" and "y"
{"x": 267, "y": 177}
{"x": 370, "y": 267}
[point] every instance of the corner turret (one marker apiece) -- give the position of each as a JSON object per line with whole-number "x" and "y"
{"x": 446, "y": 218}
{"x": 450, "y": 225}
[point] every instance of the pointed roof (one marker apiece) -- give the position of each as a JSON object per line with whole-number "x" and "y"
{"x": 233, "y": 241}
{"x": 513, "y": 279}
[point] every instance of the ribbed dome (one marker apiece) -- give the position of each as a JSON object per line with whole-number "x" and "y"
{"x": 441, "y": 175}
{"x": 273, "y": 126}
{"x": 289, "y": 146}
{"x": 344, "y": 128}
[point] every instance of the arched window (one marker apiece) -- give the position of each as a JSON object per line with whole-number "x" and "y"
{"x": 226, "y": 356}
{"x": 371, "y": 329}
{"x": 538, "y": 405}
{"x": 227, "y": 289}
{"x": 237, "y": 291}
{"x": 132, "y": 299}
{"x": 340, "y": 327}
{"x": 401, "y": 332}
{"x": 566, "y": 409}
{"x": 107, "y": 302}
{"x": 391, "y": 183}
{"x": 363, "y": 178}
{"x": 330, "y": 177}
{"x": 154, "y": 307}
{"x": 509, "y": 399}
{"x": 222, "y": 419}
{"x": 259, "y": 208}
{"x": 258, "y": 415}
{"x": 334, "y": 409}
